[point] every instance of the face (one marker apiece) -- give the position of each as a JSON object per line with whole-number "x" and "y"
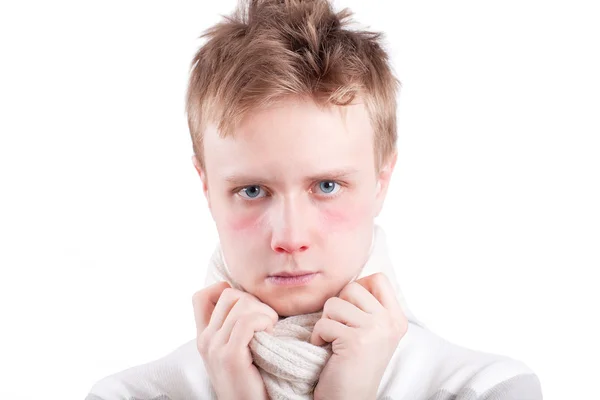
{"x": 295, "y": 190}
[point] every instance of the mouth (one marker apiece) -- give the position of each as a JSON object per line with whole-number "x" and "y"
{"x": 297, "y": 278}
{"x": 292, "y": 273}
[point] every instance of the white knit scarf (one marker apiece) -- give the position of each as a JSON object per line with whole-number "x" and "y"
{"x": 289, "y": 364}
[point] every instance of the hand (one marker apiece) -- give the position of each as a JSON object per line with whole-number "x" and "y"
{"x": 226, "y": 320}
{"x": 364, "y": 324}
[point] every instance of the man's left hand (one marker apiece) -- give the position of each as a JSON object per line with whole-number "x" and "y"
{"x": 364, "y": 325}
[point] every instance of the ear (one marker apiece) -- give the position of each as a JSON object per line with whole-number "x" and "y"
{"x": 383, "y": 181}
{"x": 202, "y": 174}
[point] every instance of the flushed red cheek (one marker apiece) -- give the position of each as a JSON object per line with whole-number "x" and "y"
{"x": 245, "y": 222}
{"x": 344, "y": 216}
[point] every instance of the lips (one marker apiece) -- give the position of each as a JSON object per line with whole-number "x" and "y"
{"x": 292, "y": 278}
{"x": 292, "y": 273}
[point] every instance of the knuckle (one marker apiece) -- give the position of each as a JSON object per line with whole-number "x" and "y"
{"x": 380, "y": 279}
{"x": 246, "y": 298}
{"x": 251, "y": 304}
{"x": 243, "y": 321}
{"x": 350, "y": 288}
{"x": 272, "y": 314}
{"x": 246, "y": 321}
{"x": 238, "y": 325}
{"x": 243, "y": 305}
{"x": 362, "y": 340}
{"x": 358, "y": 343}
{"x": 347, "y": 290}
{"x": 319, "y": 324}
{"x": 199, "y": 297}
{"x": 318, "y": 327}
{"x": 228, "y": 293}
{"x": 329, "y": 303}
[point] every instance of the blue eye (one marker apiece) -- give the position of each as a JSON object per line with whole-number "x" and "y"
{"x": 329, "y": 187}
{"x": 252, "y": 192}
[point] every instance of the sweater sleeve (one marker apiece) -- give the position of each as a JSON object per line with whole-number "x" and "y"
{"x": 178, "y": 375}
{"x": 496, "y": 382}
{"x": 522, "y": 387}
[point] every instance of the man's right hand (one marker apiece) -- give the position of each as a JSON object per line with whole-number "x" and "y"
{"x": 226, "y": 320}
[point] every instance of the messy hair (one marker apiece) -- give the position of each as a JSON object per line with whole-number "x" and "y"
{"x": 268, "y": 50}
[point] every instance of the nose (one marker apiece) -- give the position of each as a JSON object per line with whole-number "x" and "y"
{"x": 290, "y": 227}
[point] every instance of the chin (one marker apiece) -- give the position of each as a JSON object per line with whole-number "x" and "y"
{"x": 296, "y": 305}
{"x": 295, "y": 310}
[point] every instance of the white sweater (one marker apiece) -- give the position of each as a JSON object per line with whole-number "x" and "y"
{"x": 423, "y": 367}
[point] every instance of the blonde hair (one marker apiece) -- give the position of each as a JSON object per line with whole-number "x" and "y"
{"x": 268, "y": 50}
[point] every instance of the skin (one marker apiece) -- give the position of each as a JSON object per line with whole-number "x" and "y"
{"x": 296, "y": 188}
{"x": 364, "y": 323}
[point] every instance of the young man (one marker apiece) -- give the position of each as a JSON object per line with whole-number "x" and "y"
{"x": 292, "y": 116}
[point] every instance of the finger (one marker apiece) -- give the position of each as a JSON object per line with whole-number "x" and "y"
{"x": 342, "y": 311}
{"x": 358, "y": 295}
{"x": 245, "y": 305}
{"x": 259, "y": 306}
{"x": 327, "y": 330}
{"x": 204, "y": 302}
{"x": 244, "y": 328}
{"x": 381, "y": 288}
{"x": 225, "y": 304}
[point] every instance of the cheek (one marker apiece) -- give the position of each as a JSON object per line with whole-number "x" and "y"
{"x": 346, "y": 215}
{"x": 244, "y": 221}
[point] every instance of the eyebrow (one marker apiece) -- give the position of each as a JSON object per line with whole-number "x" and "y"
{"x": 335, "y": 174}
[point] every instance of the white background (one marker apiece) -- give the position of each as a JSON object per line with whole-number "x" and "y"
{"x": 493, "y": 214}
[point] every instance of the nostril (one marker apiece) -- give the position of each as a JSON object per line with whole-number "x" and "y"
{"x": 290, "y": 249}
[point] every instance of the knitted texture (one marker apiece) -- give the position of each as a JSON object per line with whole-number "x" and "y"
{"x": 288, "y": 363}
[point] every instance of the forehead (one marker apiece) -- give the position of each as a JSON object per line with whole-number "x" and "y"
{"x": 293, "y": 137}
